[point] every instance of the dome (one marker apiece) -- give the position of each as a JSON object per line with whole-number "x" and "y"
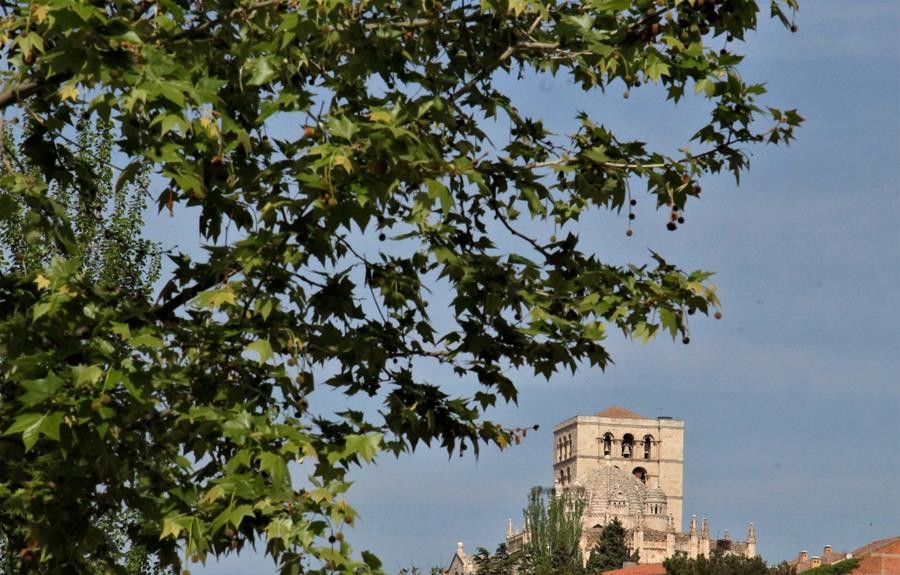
{"x": 656, "y": 495}
{"x": 611, "y": 491}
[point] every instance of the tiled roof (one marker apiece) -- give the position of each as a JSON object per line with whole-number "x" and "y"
{"x": 875, "y": 546}
{"x": 617, "y": 412}
{"x": 642, "y": 569}
{"x": 879, "y": 558}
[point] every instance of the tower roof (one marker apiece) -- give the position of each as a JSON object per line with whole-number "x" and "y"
{"x": 617, "y": 412}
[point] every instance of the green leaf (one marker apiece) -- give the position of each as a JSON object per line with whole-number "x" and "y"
{"x": 87, "y": 374}
{"x": 171, "y": 122}
{"x": 216, "y": 298}
{"x": 611, "y": 5}
{"x": 706, "y": 86}
{"x": 366, "y": 446}
{"x": 173, "y": 526}
{"x": 260, "y": 71}
{"x": 43, "y": 308}
{"x": 262, "y": 348}
{"x": 669, "y": 321}
{"x": 40, "y": 390}
{"x": 275, "y": 466}
{"x": 280, "y": 528}
{"x": 239, "y": 513}
{"x": 145, "y": 339}
{"x": 342, "y": 161}
{"x": 33, "y": 425}
{"x": 29, "y": 42}
{"x": 371, "y": 560}
{"x": 437, "y": 190}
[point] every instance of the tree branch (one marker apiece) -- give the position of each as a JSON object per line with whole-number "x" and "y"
{"x": 17, "y": 93}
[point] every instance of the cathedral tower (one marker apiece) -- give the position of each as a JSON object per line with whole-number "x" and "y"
{"x": 650, "y": 449}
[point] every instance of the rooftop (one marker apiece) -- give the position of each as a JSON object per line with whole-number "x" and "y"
{"x": 642, "y": 569}
{"x": 618, "y": 412}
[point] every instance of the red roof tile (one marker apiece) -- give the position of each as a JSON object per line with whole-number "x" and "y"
{"x": 875, "y": 545}
{"x": 617, "y": 412}
{"x": 642, "y": 569}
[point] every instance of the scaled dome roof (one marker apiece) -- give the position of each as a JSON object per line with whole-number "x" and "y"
{"x": 656, "y": 495}
{"x": 614, "y": 491}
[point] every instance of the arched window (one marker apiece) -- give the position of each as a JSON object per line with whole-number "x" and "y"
{"x": 607, "y": 444}
{"x": 627, "y": 445}
{"x": 568, "y": 475}
{"x": 640, "y": 473}
{"x": 648, "y": 446}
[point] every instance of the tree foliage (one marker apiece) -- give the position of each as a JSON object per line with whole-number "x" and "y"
{"x": 610, "y": 551}
{"x": 124, "y": 555}
{"x": 783, "y": 568}
{"x": 108, "y": 223}
{"x": 840, "y": 568}
{"x": 719, "y": 563}
{"x": 553, "y": 526}
{"x": 106, "y": 219}
{"x": 334, "y": 157}
{"x": 415, "y": 570}
{"x": 502, "y": 562}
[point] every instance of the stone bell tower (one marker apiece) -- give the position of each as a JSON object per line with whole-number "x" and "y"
{"x": 650, "y": 449}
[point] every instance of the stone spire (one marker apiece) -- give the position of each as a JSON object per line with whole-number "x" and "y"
{"x": 671, "y": 528}
{"x": 693, "y": 531}
{"x": 704, "y": 529}
{"x": 751, "y": 541}
{"x": 509, "y": 528}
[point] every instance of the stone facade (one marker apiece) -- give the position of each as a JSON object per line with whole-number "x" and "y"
{"x": 652, "y": 449}
{"x": 462, "y": 563}
{"x": 630, "y": 467}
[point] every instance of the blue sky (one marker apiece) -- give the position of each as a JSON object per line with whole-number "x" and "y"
{"x": 791, "y": 401}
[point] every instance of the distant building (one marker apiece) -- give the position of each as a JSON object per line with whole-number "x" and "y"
{"x": 462, "y": 563}
{"x": 880, "y": 557}
{"x": 631, "y": 467}
{"x": 805, "y": 561}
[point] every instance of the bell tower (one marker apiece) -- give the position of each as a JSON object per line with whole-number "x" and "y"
{"x": 650, "y": 449}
